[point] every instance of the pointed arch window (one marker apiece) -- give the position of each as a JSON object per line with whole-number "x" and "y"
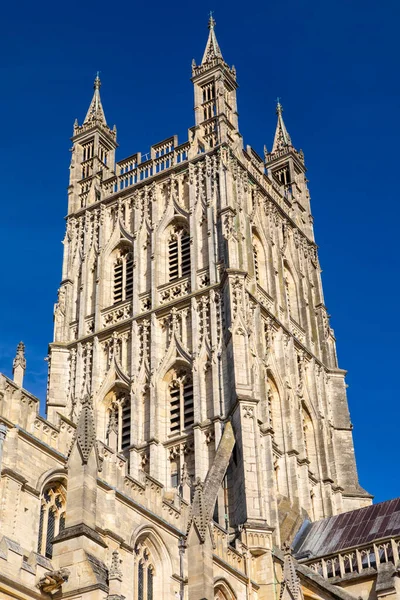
{"x": 178, "y": 252}
{"x": 181, "y": 402}
{"x": 123, "y": 276}
{"x": 52, "y": 517}
{"x": 119, "y": 421}
{"x": 291, "y": 295}
{"x": 144, "y": 589}
{"x": 259, "y": 261}
{"x": 275, "y": 411}
{"x": 310, "y": 445}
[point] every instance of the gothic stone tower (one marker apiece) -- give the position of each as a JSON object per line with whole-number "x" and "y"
{"x": 191, "y": 311}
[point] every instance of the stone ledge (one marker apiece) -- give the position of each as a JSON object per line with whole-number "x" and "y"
{"x": 78, "y": 530}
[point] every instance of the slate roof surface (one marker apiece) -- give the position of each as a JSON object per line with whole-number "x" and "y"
{"x": 348, "y": 529}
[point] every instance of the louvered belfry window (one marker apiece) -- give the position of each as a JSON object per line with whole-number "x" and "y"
{"x": 119, "y": 419}
{"x": 123, "y": 276}
{"x": 52, "y": 517}
{"x": 178, "y": 253}
{"x": 256, "y": 266}
{"x": 181, "y": 403}
{"x": 126, "y": 424}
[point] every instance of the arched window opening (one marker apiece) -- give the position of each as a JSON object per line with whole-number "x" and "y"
{"x": 181, "y": 402}
{"x": 275, "y": 411}
{"x": 178, "y": 252}
{"x": 223, "y": 592}
{"x": 145, "y": 574}
{"x": 52, "y": 517}
{"x": 259, "y": 261}
{"x": 123, "y": 276}
{"x": 119, "y": 420}
{"x": 291, "y": 295}
{"x": 310, "y": 445}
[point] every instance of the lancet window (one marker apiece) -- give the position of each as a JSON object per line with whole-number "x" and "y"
{"x": 52, "y": 517}
{"x": 145, "y": 574}
{"x": 123, "y": 276}
{"x": 259, "y": 261}
{"x": 291, "y": 295}
{"x": 209, "y": 106}
{"x": 178, "y": 252}
{"x": 119, "y": 421}
{"x": 309, "y": 439}
{"x": 181, "y": 402}
{"x": 283, "y": 175}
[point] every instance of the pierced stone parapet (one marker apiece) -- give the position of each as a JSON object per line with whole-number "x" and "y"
{"x": 114, "y": 315}
{"x": 297, "y": 331}
{"x": 265, "y": 299}
{"x": 174, "y": 290}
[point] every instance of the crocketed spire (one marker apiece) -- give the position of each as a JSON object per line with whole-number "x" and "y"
{"x": 96, "y": 112}
{"x": 282, "y": 138}
{"x": 212, "y": 48}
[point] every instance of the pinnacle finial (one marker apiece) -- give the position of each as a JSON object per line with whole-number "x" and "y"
{"x": 279, "y": 108}
{"x": 19, "y": 364}
{"x": 97, "y": 81}
{"x": 211, "y": 20}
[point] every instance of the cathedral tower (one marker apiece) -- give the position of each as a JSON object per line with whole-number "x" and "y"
{"x": 196, "y": 411}
{"x": 192, "y": 295}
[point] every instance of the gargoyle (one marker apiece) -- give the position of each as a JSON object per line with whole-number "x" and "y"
{"x": 53, "y": 580}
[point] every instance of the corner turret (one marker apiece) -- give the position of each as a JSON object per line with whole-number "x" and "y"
{"x": 215, "y": 103}
{"x": 93, "y": 154}
{"x": 285, "y": 166}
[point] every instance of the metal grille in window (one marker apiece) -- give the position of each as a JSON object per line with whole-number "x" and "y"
{"x": 62, "y": 523}
{"x": 149, "y": 583}
{"x": 140, "y": 582}
{"x": 185, "y": 254}
{"x": 175, "y": 409}
{"x": 188, "y": 404}
{"x": 41, "y": 522}
{"x": 118, "y": 275}
{"x": 173, "y": 259}
{"x": 126, "y": 423}
{"x": 129, "y": 277}
{"x": 51, "y": 523}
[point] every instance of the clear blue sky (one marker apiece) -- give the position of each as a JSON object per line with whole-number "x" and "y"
{"x": 335, "y": 66}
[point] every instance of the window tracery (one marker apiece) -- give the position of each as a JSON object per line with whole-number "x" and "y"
{"x": 52, "y": 517}
{"x": 145, "y": 573}
{"x": 178, "y": 252}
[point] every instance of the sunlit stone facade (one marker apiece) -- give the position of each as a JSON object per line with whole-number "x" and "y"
{"x": 196, "y": 413}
